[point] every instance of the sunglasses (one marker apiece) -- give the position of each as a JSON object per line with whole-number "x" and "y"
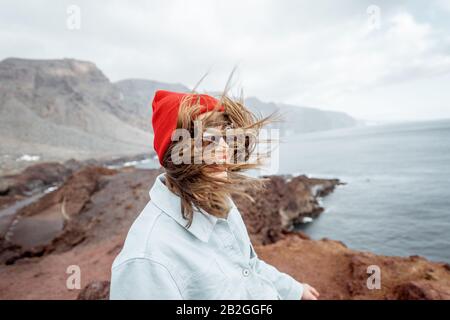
{"x": 214, "y": 135}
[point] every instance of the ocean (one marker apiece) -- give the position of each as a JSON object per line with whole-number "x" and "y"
{"x": 396, "y": 200}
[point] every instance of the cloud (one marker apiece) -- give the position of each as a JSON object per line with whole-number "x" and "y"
{"x": 350, "y": 57}
{"x": 300, "y": 52}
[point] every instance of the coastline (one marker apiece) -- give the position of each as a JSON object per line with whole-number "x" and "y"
{"x": 85, "y": 219}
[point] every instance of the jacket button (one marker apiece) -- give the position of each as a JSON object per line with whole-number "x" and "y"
{"x": 245, "y": 272}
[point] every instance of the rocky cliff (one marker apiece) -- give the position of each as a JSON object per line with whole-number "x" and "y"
{"x": 85, "y": 220}
{"x": 300, "y": 119}
{"x": 54, "y": 110}
{"x": 136, "y": 97}
{"x": 58, "y": 109}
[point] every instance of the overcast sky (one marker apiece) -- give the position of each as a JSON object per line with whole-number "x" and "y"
{"x": 376, "y": 60}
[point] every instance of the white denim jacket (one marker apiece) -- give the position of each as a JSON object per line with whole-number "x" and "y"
{"x": 212, "y": 259}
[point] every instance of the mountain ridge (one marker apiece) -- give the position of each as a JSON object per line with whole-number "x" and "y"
{"x": 68, "y": 108}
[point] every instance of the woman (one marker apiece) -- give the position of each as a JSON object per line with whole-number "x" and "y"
{"x": 190, "y": 242}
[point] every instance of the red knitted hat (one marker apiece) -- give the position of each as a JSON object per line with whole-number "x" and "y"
{"x": 165, "y": 107}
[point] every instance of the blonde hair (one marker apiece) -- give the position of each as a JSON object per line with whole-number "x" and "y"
{"x": 193, "y": 182}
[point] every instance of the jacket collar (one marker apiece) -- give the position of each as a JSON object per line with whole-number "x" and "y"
{"x": 202, "y": 224}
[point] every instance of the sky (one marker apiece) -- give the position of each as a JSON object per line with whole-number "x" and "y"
{"x": 376, "y": 60}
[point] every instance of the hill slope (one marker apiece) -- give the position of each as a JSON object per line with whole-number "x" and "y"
{"x": 63, "y": 108}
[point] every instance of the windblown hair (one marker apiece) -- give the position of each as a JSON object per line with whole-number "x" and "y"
{"x": 194, "y": 182}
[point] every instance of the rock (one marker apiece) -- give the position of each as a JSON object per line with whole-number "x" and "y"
{"x": 341, "y": 273}
{"x": 61, "y": 109}
{"x": 98, "y": 202}
{"x": 61, "y": 229}
{"x": 34, "y": 179}
{"x": 421, "y": 290}
{"x": 5, "y": 188}
{"x": 285, "y": 201}
{"x": 300, "y": 119}
{"x": 96, "y": 290}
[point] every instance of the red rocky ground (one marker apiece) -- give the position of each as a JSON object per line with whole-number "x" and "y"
{"x": 85, "y": 221}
